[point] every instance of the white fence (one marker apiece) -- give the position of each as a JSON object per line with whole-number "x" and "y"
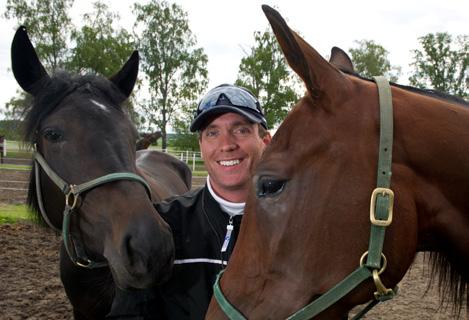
{"x": 192, "y": 158}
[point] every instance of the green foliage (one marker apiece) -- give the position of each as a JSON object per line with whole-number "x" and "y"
{"x": 371, "y": 59}
{"x": 11, "y": 129}
{"x": 442, "y": 64}
{"x": 100, "y": 48}
{"x": 265, "y": 72}
{"x": 48, "y": 23}
{"x": 185, "y": 141}
{"x": 16, "y": 107}
{"x": 175, "y": 69}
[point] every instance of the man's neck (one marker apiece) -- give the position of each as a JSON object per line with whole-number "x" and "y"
{"x": 236, "y": 196}
{"x": 228, "y": 205}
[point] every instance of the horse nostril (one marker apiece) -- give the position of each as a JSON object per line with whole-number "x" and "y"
{"x": 136, "y": 259}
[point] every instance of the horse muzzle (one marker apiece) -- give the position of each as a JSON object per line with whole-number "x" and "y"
{"x": 143, "y": 254}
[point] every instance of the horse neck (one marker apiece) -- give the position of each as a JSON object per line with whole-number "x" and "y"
{"x": 432, "y": 137}
{"x": 431, "y": 153}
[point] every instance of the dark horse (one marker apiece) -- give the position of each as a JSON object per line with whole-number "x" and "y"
{"x": 87, "y": 182}
{"x": 309, "y": 220}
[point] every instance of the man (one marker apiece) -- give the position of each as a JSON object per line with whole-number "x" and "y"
{"x": 205, "y": 222}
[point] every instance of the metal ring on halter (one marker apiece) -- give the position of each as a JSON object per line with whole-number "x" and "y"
{"x": 67, "y": 199}
{"x": 383, "y": 267}
{"x": 84, "y": 265}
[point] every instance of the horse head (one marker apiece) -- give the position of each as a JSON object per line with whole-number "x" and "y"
{"x": 81, "y": 133}
{"x": 307, "y": 220}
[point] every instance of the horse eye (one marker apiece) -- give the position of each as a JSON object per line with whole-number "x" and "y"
{"x": 53, "y": 135}
{"x": 269, "y": 187}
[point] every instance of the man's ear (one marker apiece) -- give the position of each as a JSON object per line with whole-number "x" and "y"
{"x": 267, "y": 138}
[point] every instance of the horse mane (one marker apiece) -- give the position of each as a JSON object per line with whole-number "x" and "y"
{"x": 453, "y": 285}
{"x": 60, "y": 85}
{"x": 426, "y": 92}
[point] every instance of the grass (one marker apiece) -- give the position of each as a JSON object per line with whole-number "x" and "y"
{"x": 13, "y": 213}
{"x": 15, "y": 167}
{"x": 202, "y": 173}
{"x": 19, "y": 154}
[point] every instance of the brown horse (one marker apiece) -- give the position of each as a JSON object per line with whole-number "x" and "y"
{"x": 308, "y": 219}
{"x": 87, "y": 183}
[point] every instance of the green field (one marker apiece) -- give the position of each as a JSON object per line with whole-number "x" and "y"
{"x": 13, "y": 213}
{"x": 15, "y": 167}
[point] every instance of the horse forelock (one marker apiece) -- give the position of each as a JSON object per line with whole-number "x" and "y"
{"x": 60, "y": 85}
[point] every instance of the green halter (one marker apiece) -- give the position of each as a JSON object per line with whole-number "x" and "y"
{"x": 381, "y": 208}
{"x": 75, "y": 249}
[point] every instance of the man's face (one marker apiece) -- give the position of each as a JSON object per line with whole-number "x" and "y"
{"x": 231, "y": 146}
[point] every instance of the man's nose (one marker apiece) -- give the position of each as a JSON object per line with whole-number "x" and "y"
{"x": 228, "y": 142}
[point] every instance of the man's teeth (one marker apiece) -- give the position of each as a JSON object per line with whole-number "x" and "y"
{"x": 229, "y": 163}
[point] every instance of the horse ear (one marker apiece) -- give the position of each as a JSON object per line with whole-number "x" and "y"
{"x": 341, "y": 60}
{"x": 127, "y": 76}
{"x": 317, "y": 74}
{"x": 28, "y": 70}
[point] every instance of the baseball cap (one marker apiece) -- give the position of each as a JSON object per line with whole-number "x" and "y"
{"x": 228, "y": 98}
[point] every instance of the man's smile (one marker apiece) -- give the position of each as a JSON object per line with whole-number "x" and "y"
{"x": 229, "y": 163}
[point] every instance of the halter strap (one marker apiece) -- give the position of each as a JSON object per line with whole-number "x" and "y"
{"x": 75, "y": 249}
{"x": 380, "y": 216}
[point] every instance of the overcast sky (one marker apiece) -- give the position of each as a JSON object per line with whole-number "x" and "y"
{"x": 224, "y": 29}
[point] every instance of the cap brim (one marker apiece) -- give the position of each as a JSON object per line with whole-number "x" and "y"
{"x": 200, "y": 120}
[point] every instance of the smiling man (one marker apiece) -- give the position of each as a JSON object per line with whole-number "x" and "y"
{"x": 205, "y": 222}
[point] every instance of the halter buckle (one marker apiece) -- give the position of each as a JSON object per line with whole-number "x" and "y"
{"x": 374, "y": 195}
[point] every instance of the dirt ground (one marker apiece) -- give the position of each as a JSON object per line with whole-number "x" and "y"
{"x": 30, "y": 287}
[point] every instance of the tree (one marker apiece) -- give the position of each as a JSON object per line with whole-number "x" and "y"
{"x": 100, "y": 48}
{"x": 176, "y": 71}
{"x": 48, "y": 24}
{"x": 442, "y": 64}
{"x": 371, "y": 59}
{"x": 265, "y": 73}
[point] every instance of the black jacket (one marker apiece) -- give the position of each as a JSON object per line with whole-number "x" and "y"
{"x": 199, "y": 227}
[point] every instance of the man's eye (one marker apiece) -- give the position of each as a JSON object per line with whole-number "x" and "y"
{"x": 53, "y": 135}
{"x": 211, "y": 133}
{"x": 243, "y": 130}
